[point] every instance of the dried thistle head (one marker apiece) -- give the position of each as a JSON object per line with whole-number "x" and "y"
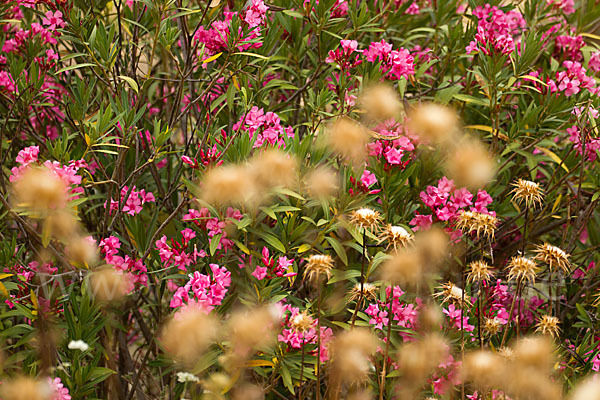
{"x": 25, "y": 388}
{"x": 548, "y": 325}
{"x": 318, "y": 266}
{"x": 365, "y": 218}
{"x": 528, "y": 192}
{"x": 492, "y": 326}
{"x": 109, "y": 285}
{"x": 349, "y": 139}
{"x": 369, "y": 292}
{"x": 230, "y": 184}
{"x": 272, "y": 168}
{"x": 188, "y": 334}
{"x": 302, "y": 322}
{"x": 381, "y": 102}
{"x": 522, "y": 269}
{"x": 452, "y": 294}
{"x": 405, "y": 267}
{"x": 433, "y": 122}
{"x": 471, "y": 165}
{"x": 479, "y": 271}
{"x": 555, "y": 257}
{"x": 507, "y": 353}
{"x": 322, "y": 182}
{"x": 40, "y": 190}
{"x": 480, "y": 223}
{"x": 395, "y": 237}
{"x": 351, "y": 352}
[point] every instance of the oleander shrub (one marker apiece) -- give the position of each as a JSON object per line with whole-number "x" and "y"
{"x": 316, "y": 199}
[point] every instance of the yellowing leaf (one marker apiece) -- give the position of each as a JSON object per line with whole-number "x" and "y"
{"x": 3, "y": 290}
{"x": 533, "y": 78}
{"x": 236, "y": 83}
{"x": 304, "y": 247}
{"x": 590, "y": 35}
{"x": 2, "y": 276}
{"x": 88, "y": 141}
{"x": 553, "y": 156}
{"x": 260, "y": 363}
{"x": 34, "y": 300}
{"x": 556, "y": 203}
{"x": 212, "y": 58}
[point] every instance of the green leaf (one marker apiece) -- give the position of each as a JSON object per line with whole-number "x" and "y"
{"x": 339, "y": 249}
{"x": 214, "y": 242}
{"x": 72, "y": 67}
{"x": 273, "y": 241}
{"x": 131, "y": 83}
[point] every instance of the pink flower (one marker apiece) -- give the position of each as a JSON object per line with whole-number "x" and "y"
{"x": 393, "y": 156}
{"x": 260, "y": 273}
{"x": 54, "y": 20}
{"x": 368, "y": 178}
{"x": 58, "y": 390}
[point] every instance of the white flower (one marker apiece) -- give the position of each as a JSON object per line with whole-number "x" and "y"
{"x": 186, "y": 377}
{"x": 78, "y": 345}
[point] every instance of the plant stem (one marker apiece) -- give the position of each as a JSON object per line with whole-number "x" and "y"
{"x": 362, "y": 278}
{"x": 512, "y": 308}
{"x": 318, "y": 343}
{"x": 301, "y": 368}
{"x": 479, "y": 316}
{"x": 387, "y": 343}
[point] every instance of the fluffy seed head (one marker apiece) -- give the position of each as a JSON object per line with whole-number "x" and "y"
{"x": 431, "y": 317}
{"x": 522, "y": 269}
{"x": 273, "y": 168}
{"x": 453, "y": 294}
{"x": 188, "y": 334}
{"x": 433, "y": 246}
{"x": 416, "y": 360}
{"x": 381, "y": 102}
{"x": 534, "y": 352}
{"x": 302, "y": 322}
{"x": 318, "y": 266}
{"x": 322, "y": 182}
{"x": 25, "y": 388}
{"x": 589, "y": 389}
{"x": 109, "y": 285}
{"x": 479, "y": 271}
{"x": 471, "y": 165}
{"x": 349, "y": 139}
{"x": 395, "y": 237}
{"x": 249, "y": 330}
{"x": 62, "y": 224}
{"x": 365, "y": 218}
{"x": 548, "y": 325}
{"x": 351, "y": 352}
{"x": 40, "y": 190}
{"x": 433, "y": 122}
{"x": 528, "y": 192}
{"x": 405, "y": 268}
{"x": 82, "y": 251}
{"x": 554, "y": 256}
{"x": 369, "y": 292}
{"x": 230, "y": 184}
{"x": 483, "y": 368}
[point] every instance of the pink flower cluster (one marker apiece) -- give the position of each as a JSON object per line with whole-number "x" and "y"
{"x": 393, "y": 151}
{"x": 496, "y": 30}
{"x": 339, "y": 8}
{"x": 66, "y": 173}
{"x": 134, "y": 269}
{"x": 216, "y": 38}
{"x": 572, "y": 80}
{"x": 176, "y": 254}
{"x": 203, "y": 291}
{"x": 132, "y": 204}
{"x": 566, "y": 6}
{"x": 454, "y": 317}
{"x": 343, "y": 55}
{"x": 446, "y": 201}
{"x": 295, "y": 339}
{"x": 405, "y": 314}
{"x": 501, "y": 300}
{"x": 592, "y": 144}
{"x": 569, "y": 47}
{"x": 265, "y": 126}
{"x": 214, "y": 226}
{"x": 395, "y": 64}
{"x": 282, "y": 267}
{"x": 58, "y": 390}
